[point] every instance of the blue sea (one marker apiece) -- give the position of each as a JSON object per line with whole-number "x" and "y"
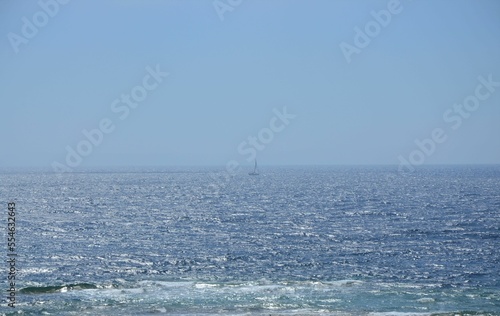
{"x": 291, "y": 241}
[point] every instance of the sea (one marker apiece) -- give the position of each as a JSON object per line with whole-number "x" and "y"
{"x": 340, "y": 240}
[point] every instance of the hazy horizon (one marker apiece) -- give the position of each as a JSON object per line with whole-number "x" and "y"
{"x": 243, "y": 168}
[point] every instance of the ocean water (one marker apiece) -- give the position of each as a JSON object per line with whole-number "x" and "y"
{"x": 292, "y": 241}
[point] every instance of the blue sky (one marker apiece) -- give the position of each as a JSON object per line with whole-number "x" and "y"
{"x": 226, "y": 78}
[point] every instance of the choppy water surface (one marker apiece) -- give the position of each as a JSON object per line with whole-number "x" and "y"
{"x": 333, "y": 241}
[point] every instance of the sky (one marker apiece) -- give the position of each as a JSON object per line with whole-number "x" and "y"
{"x": 200, "y": 82}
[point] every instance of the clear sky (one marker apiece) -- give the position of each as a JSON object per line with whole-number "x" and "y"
{"x": 362, "y": 84}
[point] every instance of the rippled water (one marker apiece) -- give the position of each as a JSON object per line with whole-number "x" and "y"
{"x": 339, "y": 241}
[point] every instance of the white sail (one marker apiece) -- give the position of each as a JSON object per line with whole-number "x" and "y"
{"x": 254, "y": 172}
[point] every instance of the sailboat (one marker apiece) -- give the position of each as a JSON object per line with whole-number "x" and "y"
{"x": 254, "y": 172}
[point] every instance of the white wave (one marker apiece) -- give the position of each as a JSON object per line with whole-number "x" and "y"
{"x": 398, "y": 314}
